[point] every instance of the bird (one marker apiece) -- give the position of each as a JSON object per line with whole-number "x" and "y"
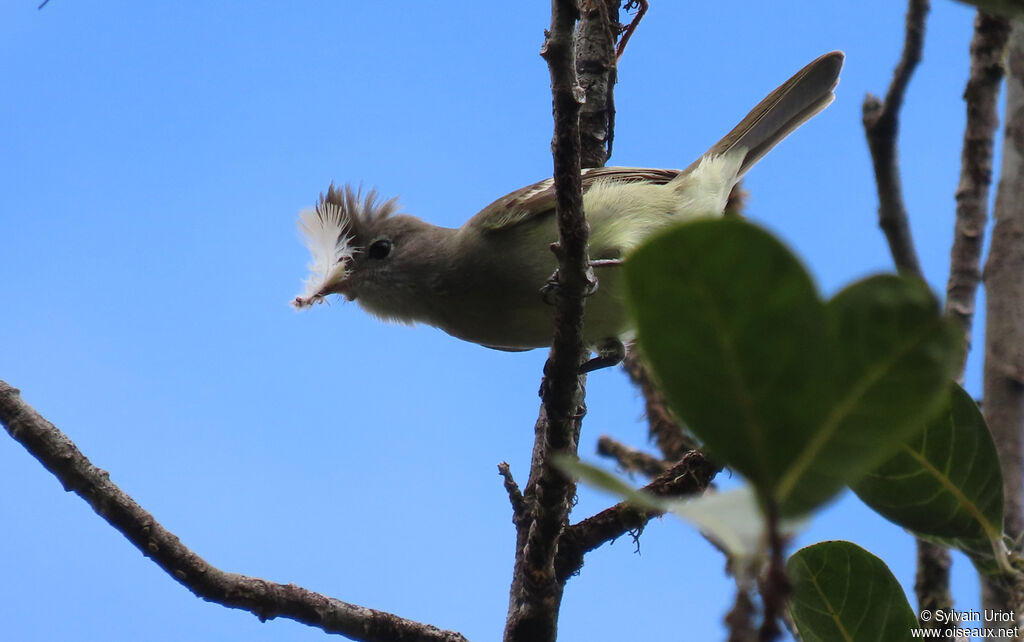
{"x": 485, "y": 281}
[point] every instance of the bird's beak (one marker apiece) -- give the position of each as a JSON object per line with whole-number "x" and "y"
{"x": 337, "y": 282}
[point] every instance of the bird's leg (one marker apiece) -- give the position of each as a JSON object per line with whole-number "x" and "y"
{"x": 610, "y": 352}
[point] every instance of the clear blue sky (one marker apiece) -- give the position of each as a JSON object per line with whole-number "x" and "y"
{"x": 153, "y": 158}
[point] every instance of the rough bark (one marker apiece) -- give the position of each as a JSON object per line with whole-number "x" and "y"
{"x": 596, "y": 69}
{"x": 1004, "y": 318}
{"x": 988, "y": 47}
{"x": 535, "y": 596}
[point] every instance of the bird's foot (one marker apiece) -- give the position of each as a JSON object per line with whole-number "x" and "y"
{"x": 610, "y": 352}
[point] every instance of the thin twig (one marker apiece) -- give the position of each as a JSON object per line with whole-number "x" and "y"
{"x": 536, "y": 593}
{"x": 515, "y": 497}
{"x": 630, "y": 459}
{"x": 690, "y": 476}
{"x": 881, "y": 126}
{"x": 627, "y": 33}
{"x": 267, "y": 600}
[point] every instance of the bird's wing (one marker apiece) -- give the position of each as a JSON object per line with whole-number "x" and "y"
{"x": 791, "y": 104}
{"x": 538, "y": 200}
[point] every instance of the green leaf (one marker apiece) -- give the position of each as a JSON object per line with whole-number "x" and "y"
{"x": 799, "y": 396}
{"x": 843, "y": 593}
{"x": 733, "y": 328}
{"x": 1008, "y": 8}
{"x": 944, "y": 483}
{"x": 891, "y": 358}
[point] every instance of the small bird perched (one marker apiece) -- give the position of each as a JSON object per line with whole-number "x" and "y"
{"x": 483, "y": 282}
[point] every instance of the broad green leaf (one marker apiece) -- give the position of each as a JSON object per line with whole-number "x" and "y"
{"x": 734, "y": 331}
{"x": 842, "y": 593}
{"x": 891, "y": 358}
{"x": 799, "y": 396}
{"x": 945, "y": 482}
{"x": 1008, "y": 8}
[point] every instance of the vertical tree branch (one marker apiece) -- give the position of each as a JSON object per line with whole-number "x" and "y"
{"x": 536, "y": 593}
{"x": 596, "y": 64}
{"x": 596, "y": 69}
{"x": 629, "y": 459}
{"x": 988, "y": 46}
{"x": 881, "y": 126}
{"x": 1004, "y": 318}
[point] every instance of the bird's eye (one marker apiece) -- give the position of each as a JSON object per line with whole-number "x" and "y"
{"x": 379, "y": 249}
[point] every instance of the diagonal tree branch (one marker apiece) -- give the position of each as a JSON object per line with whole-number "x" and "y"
{"x": 630, "y": 459}
{"x": 881, "y": 126}
{"x": 267, "y": 600}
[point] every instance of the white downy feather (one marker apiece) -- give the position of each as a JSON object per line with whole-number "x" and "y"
{"x": 325, "y": 232}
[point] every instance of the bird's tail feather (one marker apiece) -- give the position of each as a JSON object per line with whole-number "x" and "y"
{"x": 789, "y": 106}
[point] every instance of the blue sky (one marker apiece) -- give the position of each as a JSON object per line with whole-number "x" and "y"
{"x": 154, "y": 158}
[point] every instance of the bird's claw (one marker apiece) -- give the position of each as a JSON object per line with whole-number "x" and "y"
{"x": 610, "y": 352}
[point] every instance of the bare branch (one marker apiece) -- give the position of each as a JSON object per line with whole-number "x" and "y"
{"x": 988, "y": 47}
{"x": 1004, "y": 317}
{"x": 775, "y": 587}
{"x": 740, "y": 618}
{"x": 641, "y": 9}
{"x": 931, "y": 582}
{"x": 536, "y": 593}
{"x": 881, "y": 126}
{"x": 630, "y": 459}
{"x": 690, "y": 476}
{"x": 267, "y": 600}
{"x": 596, "y": 70}
{"x": 515, "y": 497}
